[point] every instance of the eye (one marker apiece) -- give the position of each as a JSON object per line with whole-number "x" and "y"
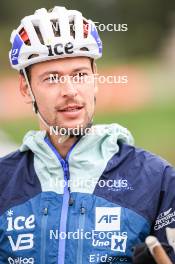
{"x": 46, "y": 79}
{"x": 81, "y": 74}
{"x": 52, "y": 79}
{"x": 79, "y": 77}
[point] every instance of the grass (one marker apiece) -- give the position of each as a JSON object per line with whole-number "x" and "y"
{"x": 153, "y": 128}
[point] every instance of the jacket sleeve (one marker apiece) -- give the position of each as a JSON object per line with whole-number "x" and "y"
{"x": 164, "y": 224}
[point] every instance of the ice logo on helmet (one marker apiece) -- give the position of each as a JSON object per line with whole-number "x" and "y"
{"x": 60, "y": 49}
{"x": 95, "y": 35}
{"x": 17, "y": 44}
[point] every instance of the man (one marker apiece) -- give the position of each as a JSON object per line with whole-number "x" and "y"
{"x": 75, "y": 197}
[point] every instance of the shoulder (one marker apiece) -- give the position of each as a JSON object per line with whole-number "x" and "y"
{"x": 139, "y": 163}
{"x": 13, "y": 159}
{"x": 18, "y": 179}
{"x": 13, "y": 165}
{"x": 10, "y": 156}
{"x": 10, "y": 161}
{"x": 143, "y": 157}
{"x": 148, "y": 165}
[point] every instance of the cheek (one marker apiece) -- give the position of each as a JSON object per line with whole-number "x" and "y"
{"x": 89, "y": 100}
{"x": 46, "y": 98}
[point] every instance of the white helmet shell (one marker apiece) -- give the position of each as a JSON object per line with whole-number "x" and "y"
{"x": 55, "y": 34}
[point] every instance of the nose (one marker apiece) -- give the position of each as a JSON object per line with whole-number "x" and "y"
{"x": 68, "y": 89}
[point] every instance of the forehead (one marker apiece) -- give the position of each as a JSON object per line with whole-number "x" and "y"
{"x": 64, "y": 65}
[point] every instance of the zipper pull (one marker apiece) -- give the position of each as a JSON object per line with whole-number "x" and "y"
{"x": 66, "y": 169}
{"x": 82, "y": 210}
{"x": 45, "y": 211}
{"x": 71, "y": 201}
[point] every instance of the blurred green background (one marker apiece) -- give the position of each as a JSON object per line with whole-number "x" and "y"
{"x": 148, "y": 46}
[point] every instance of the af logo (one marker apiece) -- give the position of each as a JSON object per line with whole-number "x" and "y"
{"x": 107, "y": 218}
{"x": 23, "y": 241}
{"x": 118, "y": 243}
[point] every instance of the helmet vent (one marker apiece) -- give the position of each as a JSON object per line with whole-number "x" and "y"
{"x": 84, "y": 49}
{"x": 55, "y": 27}
{"x": 24, "y": 37}
{"x": 33, "y": 56}
{"x": 85, "y": 28}
{"x": 38, "y": 32}
{"x": 72, "y": 28}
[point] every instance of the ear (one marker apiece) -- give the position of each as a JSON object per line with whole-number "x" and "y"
{"x": 24, "y": 90}
{"x": 95, "y": 79}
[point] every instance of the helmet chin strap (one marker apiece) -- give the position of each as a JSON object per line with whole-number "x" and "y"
{"x": 62, "y": 138}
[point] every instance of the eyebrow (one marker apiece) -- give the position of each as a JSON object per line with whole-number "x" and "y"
{"x": 81, "y": 68}
{"x": 60, "y": 72}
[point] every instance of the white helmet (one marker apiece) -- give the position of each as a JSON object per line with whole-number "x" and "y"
{"x": 54, "y": 34}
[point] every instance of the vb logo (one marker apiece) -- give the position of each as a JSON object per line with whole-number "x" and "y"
{"x": 24, "y": 241}
{"x": 107, "y": 218}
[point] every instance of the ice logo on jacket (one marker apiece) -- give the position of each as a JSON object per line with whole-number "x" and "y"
{"x": 19, "y": 241}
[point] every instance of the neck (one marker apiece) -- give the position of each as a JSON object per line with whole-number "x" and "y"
{"x": 62, "y": 148}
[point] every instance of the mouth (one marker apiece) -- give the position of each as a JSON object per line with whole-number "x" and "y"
{"x": 71, "y": 108}
{"x": 71, "y": 111}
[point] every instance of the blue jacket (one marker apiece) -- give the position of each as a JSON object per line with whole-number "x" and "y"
{"x": 93, "y": 206}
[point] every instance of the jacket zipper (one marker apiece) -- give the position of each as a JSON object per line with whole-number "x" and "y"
{"x": 64, "y": 212}
{"x": 80, "y": 241}
{"x": 43, "y": 234}
{"x": 66, "y": 199}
